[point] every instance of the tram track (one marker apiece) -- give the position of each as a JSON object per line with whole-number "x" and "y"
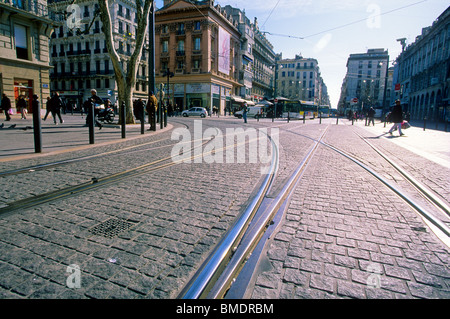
{"x": 216, "y": 285}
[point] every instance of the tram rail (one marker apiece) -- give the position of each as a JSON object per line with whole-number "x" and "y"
{"x": 224, "y": 277}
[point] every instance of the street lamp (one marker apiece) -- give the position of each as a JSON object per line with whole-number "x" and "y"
{"x": 151, "y": 62}
{"x": 169, "y": 75}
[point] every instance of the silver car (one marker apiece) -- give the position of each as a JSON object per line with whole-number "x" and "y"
{"x": 195, "y": 111}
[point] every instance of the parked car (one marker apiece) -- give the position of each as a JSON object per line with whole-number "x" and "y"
{"x": 252, "y": 111}
{"x": 195, "y": 111}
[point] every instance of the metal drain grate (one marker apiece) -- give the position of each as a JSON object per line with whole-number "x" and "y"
{"x": 111, "y": 228}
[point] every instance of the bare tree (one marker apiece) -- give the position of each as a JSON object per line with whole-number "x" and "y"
{"x": 126, "y": 80}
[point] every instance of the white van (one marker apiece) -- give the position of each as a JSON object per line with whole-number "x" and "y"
{"x": 252, "y": 111}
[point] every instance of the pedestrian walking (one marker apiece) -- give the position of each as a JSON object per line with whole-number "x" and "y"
{"x": 371, "y": 115}
{"x": 244, "y": 113}
{"x": 55, "y": 106}
{"x": 152, "y": 108}
{"x": 94, "y": 99}
{"x": 48, "y": 108}
{"x": 6, "y": 106}
{"x": 397, "y": 118}
{"x": 22, "y": 106}
{"x": 139, "y": 110}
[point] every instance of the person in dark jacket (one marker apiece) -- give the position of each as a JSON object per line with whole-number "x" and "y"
{"x": 94, "y": 99}
{"x": 55, "y": 107}
{"x": 397, "y": 118}
{"x": 371, "y": 115}
{"x": 6, "y": 106}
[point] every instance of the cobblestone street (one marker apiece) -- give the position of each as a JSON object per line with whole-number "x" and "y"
{"x": 343, "y": 234}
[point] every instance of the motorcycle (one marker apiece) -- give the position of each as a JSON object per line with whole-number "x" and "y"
{"x": 104, "y": 114}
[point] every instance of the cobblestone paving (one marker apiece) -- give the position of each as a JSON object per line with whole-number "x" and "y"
{"x": 343, "y": 234}
{"x": 347, "y": 236}
{"x": 177, "y": 215}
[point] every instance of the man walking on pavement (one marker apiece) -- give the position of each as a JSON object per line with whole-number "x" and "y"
{"x": 152, "y": 107}
{"x": 244, "y": 113}
{"x": 55, "y": 107}
{"x": 371, "y": 115}
{"x": 397, "y": 118}
{"x": 94, "y": 99}
{"x": 6, "y": 106}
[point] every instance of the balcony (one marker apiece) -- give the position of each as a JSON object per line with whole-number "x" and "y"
{"x": 180, "y": 53}
{"x": 33, "y": 7}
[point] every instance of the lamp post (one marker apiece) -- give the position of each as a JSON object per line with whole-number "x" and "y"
{"x": 151, "y": 61}
{"x": 169, "y": 75}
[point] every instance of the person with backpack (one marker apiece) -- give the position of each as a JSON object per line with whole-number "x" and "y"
{"x": 397, "y": 118}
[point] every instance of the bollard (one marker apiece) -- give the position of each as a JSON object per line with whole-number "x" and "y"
{"x": 123, "y": 111}
{"x": 142, "y": 120}
{"x": 37, "y": 126}
{"x": 320, "y": 118}
{"x": 337, "y": 120}
{"x": 304, "y": 118}
{"x": 165, "y": 117}
{"x": 289, "y": 118}
{"x": 424, "y": 123}
{"x": 91, "y": 121}
{"x": 353, "y": 120}
{"x": 160, "y": 117}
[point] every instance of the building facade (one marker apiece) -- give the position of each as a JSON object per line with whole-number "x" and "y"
{"x": 300, "y": 79}
{"x": 422, "y": 72}
{"x": 24, "y": 56}
{"x": 199, "y": 44}
{"x": 79, "y": 55}
{"x": 264, "y": 66}
{"x": 365, "y": 83}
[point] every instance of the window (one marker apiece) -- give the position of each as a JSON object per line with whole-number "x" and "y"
{"x": 197, "y": 25}
{"x": 165, "y": 46}
{"x": 21, "y": 41}
{"x": 180, "y": 46}
{"x": 181, "y": 28}
{"x": 197, "y": 44}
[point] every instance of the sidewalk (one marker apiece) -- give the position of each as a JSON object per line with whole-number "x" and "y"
{"x": 431, "y": 144}
{"x": 17, "y": 137}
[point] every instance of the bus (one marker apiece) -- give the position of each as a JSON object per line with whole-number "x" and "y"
{"x": 296, "y": 108}
{"x": 324, "y": 110}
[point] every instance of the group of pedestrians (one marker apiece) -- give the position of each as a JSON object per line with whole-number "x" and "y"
{"x": 54, "y": 105}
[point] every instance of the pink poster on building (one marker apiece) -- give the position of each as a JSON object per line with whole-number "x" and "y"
{"x": 224, "y": 51}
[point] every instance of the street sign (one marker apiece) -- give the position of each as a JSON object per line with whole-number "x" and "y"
{"x": 355, "y": 100}
{"x": 398, "y": 87}
{"x": 276, "y": 100}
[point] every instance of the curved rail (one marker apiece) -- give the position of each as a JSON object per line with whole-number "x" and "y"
{"x": 435, "y": 221}
{"x": 202, "y": 281}
{"x": 260, "y": 225}
{"x": 421, "y": 188}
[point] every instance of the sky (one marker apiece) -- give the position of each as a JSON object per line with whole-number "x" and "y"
{"x": 331, "y": 30}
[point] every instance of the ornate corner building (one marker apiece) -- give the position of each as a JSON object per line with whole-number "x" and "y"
{"x": 25, "y": 28}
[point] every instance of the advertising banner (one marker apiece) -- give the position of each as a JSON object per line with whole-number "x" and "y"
{"x": 224, "y": 51}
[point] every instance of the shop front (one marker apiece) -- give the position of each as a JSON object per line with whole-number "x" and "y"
{"x": 198, "y": 95}
{"x": 23, "y": 88}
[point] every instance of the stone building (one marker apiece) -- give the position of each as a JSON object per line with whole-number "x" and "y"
{"x": 200, "y": 44}
{"x": 365, "y": 83}
{"x": 79, "y": 55}
{"x": 299, "y": 78}
{"x": 24, "y": 56}
{"x": 422, "y": 72}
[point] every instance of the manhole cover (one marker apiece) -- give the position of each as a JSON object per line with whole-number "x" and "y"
{"x": 111, "y": 228}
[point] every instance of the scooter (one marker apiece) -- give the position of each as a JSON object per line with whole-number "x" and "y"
{"x": 104, "y": 114}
